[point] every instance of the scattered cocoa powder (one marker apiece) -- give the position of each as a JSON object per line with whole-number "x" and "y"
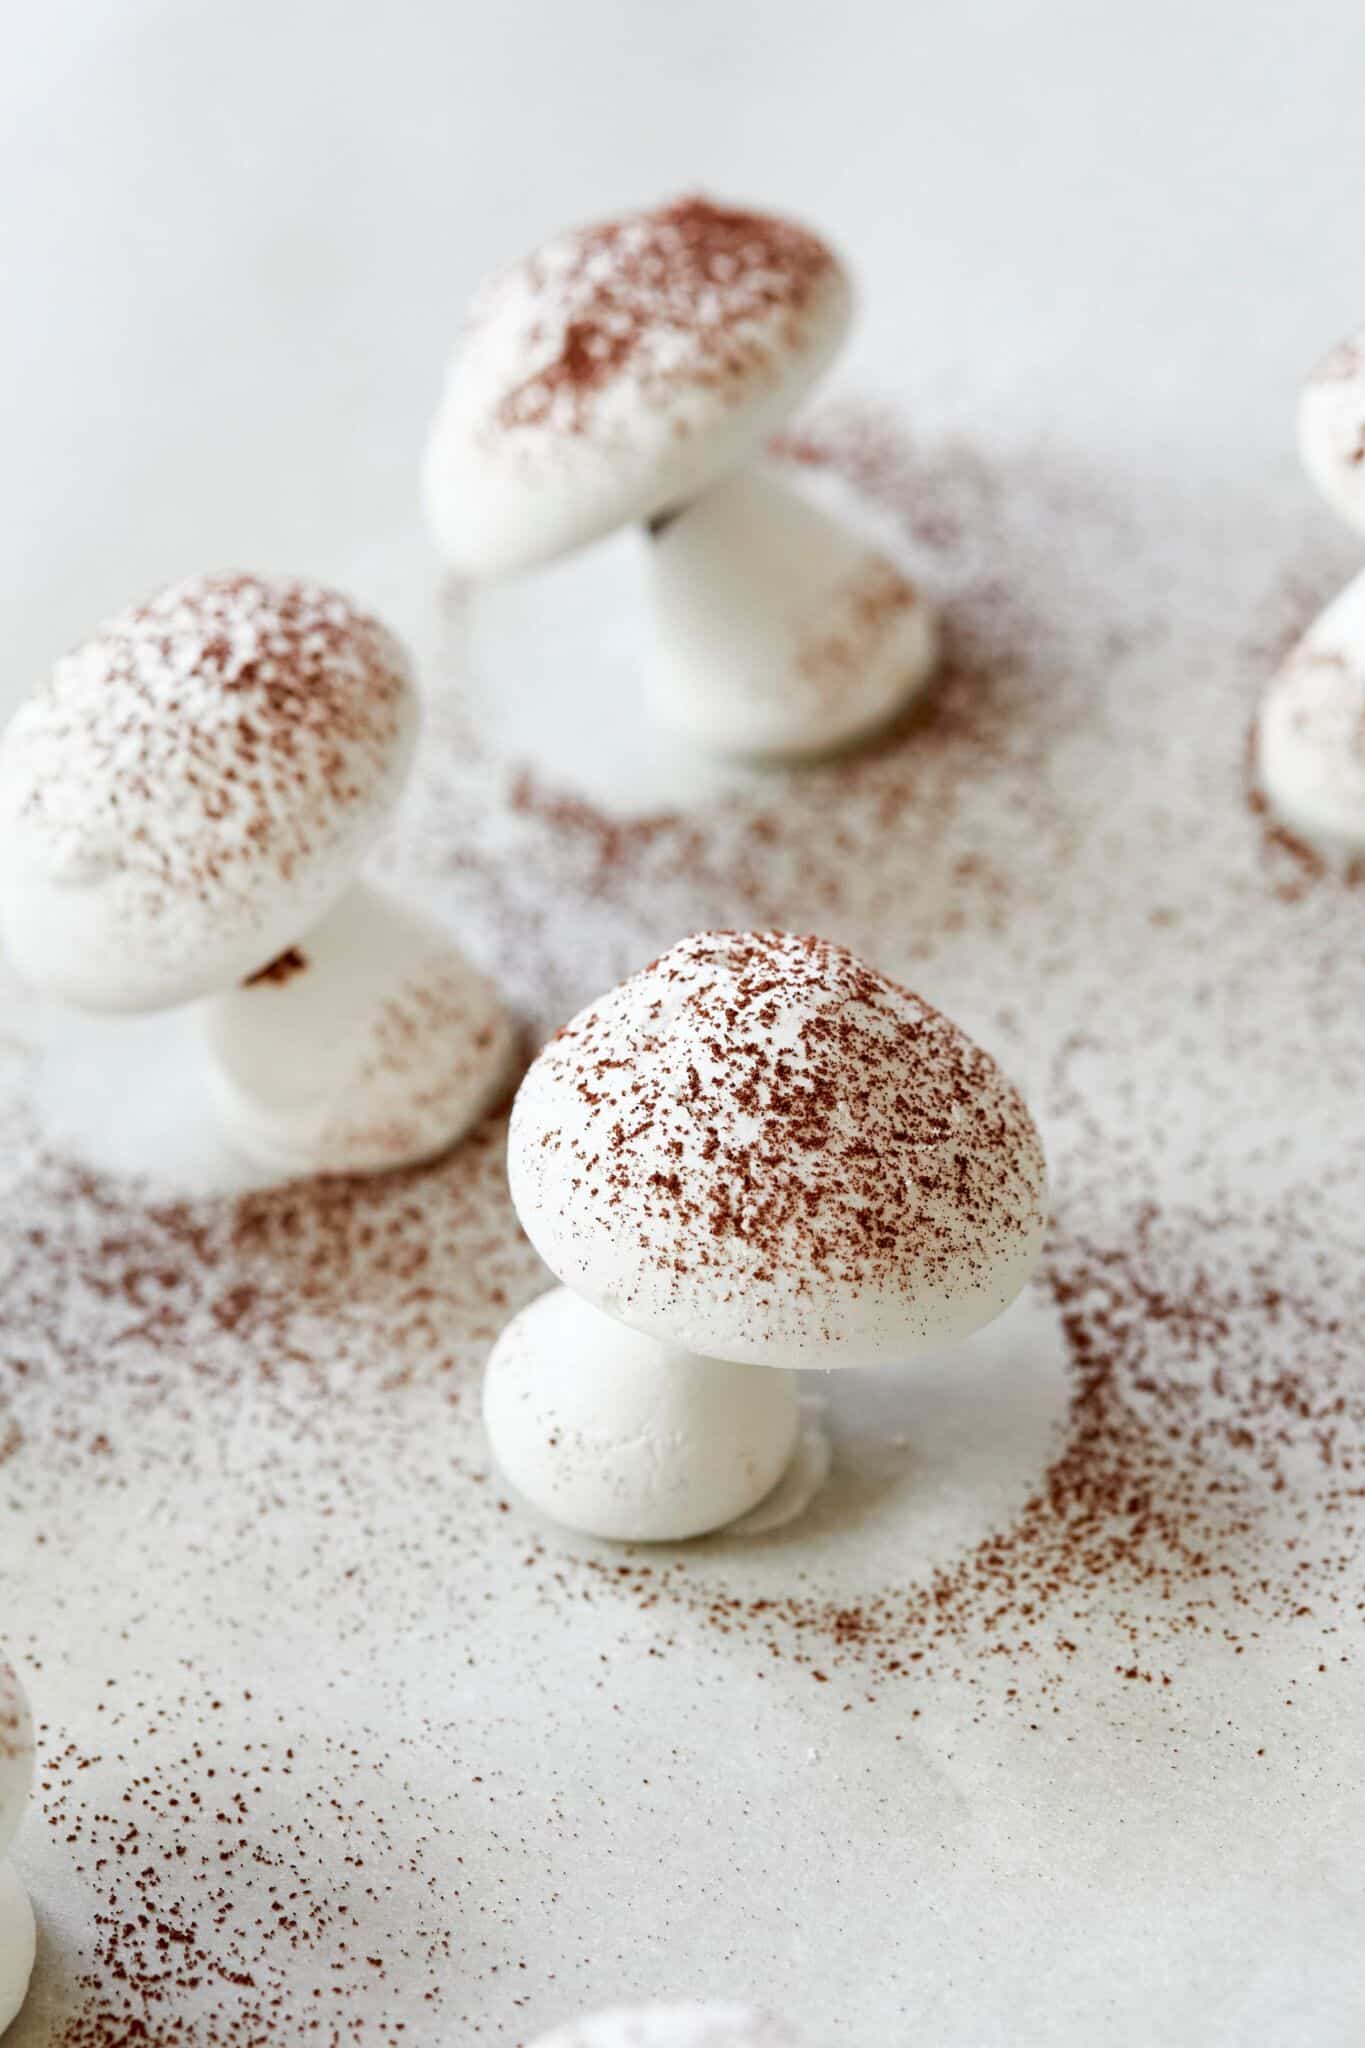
{"x": 278, "y": 1395}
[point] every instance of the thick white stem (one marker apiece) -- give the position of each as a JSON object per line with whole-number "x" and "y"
{"x": 779, "y": 631}
{"x": 372, "y": 1043}
{"x": 616, "y": 1435}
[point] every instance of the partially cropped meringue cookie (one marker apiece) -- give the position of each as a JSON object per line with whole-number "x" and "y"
{"x": 18, "y": 1935}
{"x": 756, "y": 1153}
{"x": 779, "y": 631}
{"x": 682, "y": 2025}
{"x": 195, "y": 786}
{"x": 374, "y": 1043}
{"x": 616, "y": 1435}
{"x": 618, "y": 371}
{"x": 1332, "y": 429}
{"x": 1311, "y": 732}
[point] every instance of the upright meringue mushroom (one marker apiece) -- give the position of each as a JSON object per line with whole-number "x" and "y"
{"x": 184, "y": 813}
{"x": 17, "y": 1933}
{"x": 632, "y": 371}
{"x": 757, "y": 1153}
{"x": 1311, "y": 730}
{"x": 691, "y": 2025}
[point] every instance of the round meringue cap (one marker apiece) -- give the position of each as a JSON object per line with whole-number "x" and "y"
{"x": 690, "y": 2025}
{"x": 618, "y": 371}
{"x": 18, "y": 1944}
{"x": 778, "y": 631}
{"x": 16, "y": 1753}
{"x": 1331, "y": 429}
{"x": 760, "y": 1149}
{"x": 194, "y": 788}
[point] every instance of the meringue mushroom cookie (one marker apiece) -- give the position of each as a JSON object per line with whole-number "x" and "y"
{"x": 18, "y": 1935}
{"x": 619, "y": 370}
{"x": 195, "y": 787}
{"x": 373, "y": 1043}
{"x": 616, "y": 1435}
{"x": 759, "y": 1148}
{"x": 1332, "y": 429}
{"x": 713, "y": 2025}
{"x": 778, "y": 630}
{"x": 1311, "y": 732}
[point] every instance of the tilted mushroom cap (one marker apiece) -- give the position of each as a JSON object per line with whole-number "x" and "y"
{"x": 722, "y": 2025}
{"x": 761, "y": 1149}
{"x": 16, "y": 1753}
{"x": 618, "y": 371}
{"x": 1332, "y": 429}
{"x": 1311, "y": 731}
{"x": 195, "y": 786}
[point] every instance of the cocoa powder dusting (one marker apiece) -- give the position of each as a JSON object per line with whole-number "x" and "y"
{"x": 690, "y": 295}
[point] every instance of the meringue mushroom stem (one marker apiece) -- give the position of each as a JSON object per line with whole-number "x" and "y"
{"x": 615, "y": 1434}
{"x": 373, "y": 1044}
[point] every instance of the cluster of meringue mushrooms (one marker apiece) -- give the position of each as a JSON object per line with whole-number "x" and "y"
{"x": 1310, "y": 744}
{"x": 189, "y": 804}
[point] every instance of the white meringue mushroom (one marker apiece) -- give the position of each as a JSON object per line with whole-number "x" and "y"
{"x": 618, "y": 371}
{"x": 756, "y": 1153}
{"x": 613, "y": 1434}
{"x": 690, "y": 2025}
{"x": 184, "y": 813}
{"x": 375, "y": 1044}
{"x": 1311, "y": 732}
{"x": 18, "y": 1935}
{"x": 778, "y": 630}
{"x": 1332, "y": 429}
{"x": 195, "y": 787}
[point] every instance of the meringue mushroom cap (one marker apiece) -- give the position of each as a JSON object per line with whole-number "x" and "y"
{"x": 146, "y": 862}
{"x": 16, "y": 1753}
{"x": 718, "y": 2024}
{"x": 374, "y": 1044}
{"x": 778, "y": 631}
{"x": 503, "y": 497}
{"x": 1310, "y": 736}
{"x": 614, "y": 1435}
{"x": 1331, "y": 429}
{"x": 760, "y": 1149}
